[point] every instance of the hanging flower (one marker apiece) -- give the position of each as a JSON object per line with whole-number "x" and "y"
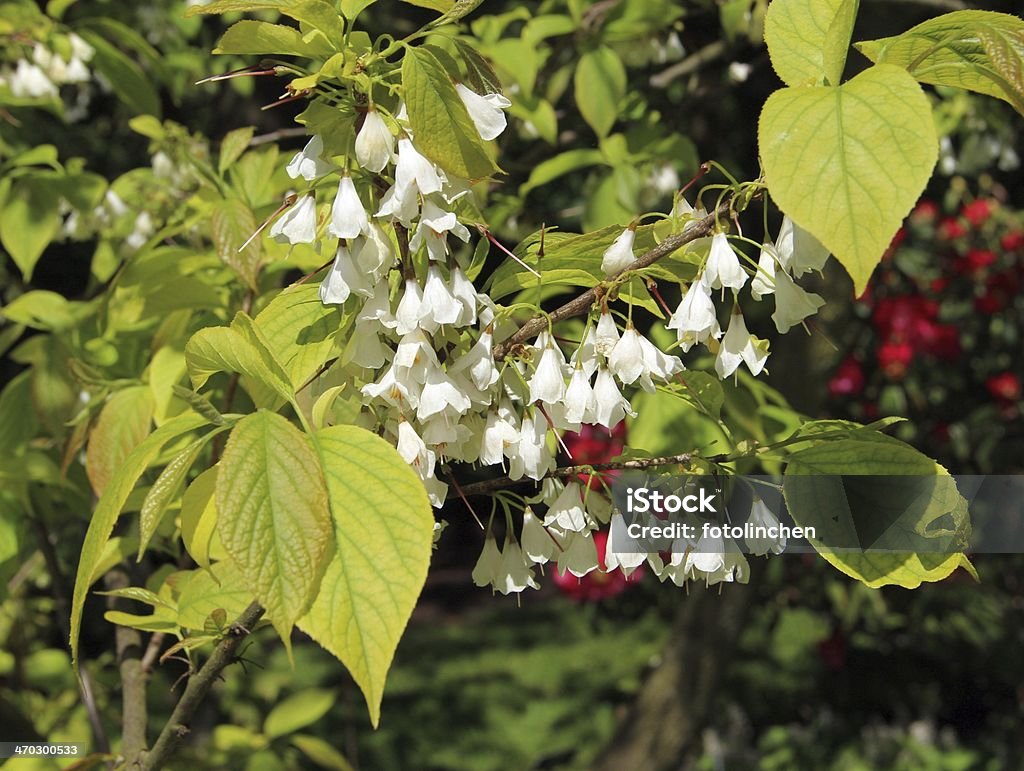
{"x": 799, "y": 251}
{"x": 348, "y": 216}
{"x": 538, "y": 545}
{"x": 723, "y": 267}
{"x": 439, "y": 305}
{"x": 612, "y": 406}
{"x": 695, "y": 320}
{"x": 626, "y": 360}
{"x": 375, "y": 144}
{"x": 792, "y": 304}
{"x": 764, "y": 279}
{"x": 579, "y": 398}
{"x": 308, "y": 163}
{"x": 738, "y": 346}
{"x": 607, "y": 334}
{"x": 298, "y": 224}
{"x": 762, "y": 517}
{"x": 548, "y": 382}
{"x": 342, "y": 279}
{"x": 619, "y": 255}
{"x": 566, "y": 512}
{"x": 487, "y": 112}
{"x": 488, "y": 566}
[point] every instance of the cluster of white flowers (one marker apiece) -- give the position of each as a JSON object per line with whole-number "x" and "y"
{"x": 421, "y": 348}
{"x": 43, "y": 75}
{"x": 695, "y": 320}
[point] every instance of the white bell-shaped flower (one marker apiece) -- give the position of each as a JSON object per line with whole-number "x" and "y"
{"x": 466, "y": 294}
{"x": 627, "y": 359}
{"x": 566, "y": 512}
{"x": 415, "y": 171}
{"x": 579, "y": 555}
{"x": 532, "y": 457}
{"x": 548, "y": 382}
{"x": 364, "y": 348}
{"x": 28, "y": 81}
{"x": 439, "y": 305}
{"x": 792, "y": 303}
{"x": 619, "y": 255}
{"x": 762, "y": 517}
{"x": 515, "y": 573}
{"x": 374, "y": 254}
{"x": 500, "y": 437}
{"x": 621, "y": 551}
{"x": 764, "y": 279}
{"x": 400, "y": 203}
{"x": 439, "y": 395}
{"x": 579, "y": 398}
{"x": 308, "y": 163}
{"x": 739, "y": 345}
{"x": 657, "y": 364}
{"x": 487, "y": 112}
{"x": 343, "y": 279}
{"x": 695, "y": 320}
{"x": 394, "y": 387}
{"x": 799, "y": 251}
{"x": 606, "y": 335}
{"x": 298, "y": 224}
{"x": 723, "y": 267}
{"x": 586, "y": 355}
{"x": 538, "y": 545}
{"x": 414, "y": 451}
{"x": 348, "y": 215}
{"x": 375, "y": 144}
{"x": 407, "y": 314}
{"x": 488, "y": 566}
{"x": 612, "y": 406}
{"x": 416, "y": 356}
{"x": 478, "y": 363}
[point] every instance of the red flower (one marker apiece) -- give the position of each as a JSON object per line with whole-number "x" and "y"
{"x": 594, "y": 444}
{"x": 596, "y": 585}
{"x": 894, "y": 358}
{"x": 1000, "y": 289}
{"x": 925, "y": 212}
{"x": 1013, "y": 240}
{"x": 951, "y": 228}
{"x": 977, "y": 212}
{"x": 975, "y": 261}
{"x": 1005, "y": 386}
{"x": 895, "y": 316}
{"x": 848, "y": 379}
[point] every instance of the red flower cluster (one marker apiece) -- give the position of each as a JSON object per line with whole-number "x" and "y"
{"x": 908, "y": 325}
{"x": 953, "y": 286}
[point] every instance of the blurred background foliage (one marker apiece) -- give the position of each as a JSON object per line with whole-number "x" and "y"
{"x": 615, "y": 104}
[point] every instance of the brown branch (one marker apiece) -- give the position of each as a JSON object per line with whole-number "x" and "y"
{"x": 199, "y": 685}
{"x": 500, "y": 483}
{"x": 581, "y": 304}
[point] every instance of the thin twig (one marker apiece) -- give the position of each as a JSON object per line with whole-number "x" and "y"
{"x": 274, "y": 136}
{"x": 581, "y": 304}
{"x": 128, "y": 645}
{"x": 500, "y": 483}
{"x": 199, "y": 685}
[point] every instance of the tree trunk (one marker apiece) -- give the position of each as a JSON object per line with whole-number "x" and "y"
{"x": 662, "y": 729}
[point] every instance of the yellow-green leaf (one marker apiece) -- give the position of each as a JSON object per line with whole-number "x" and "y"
{"x": 166, "y": 488}
{"x": 383, "y": 531}
{"x": 298, "y": 711}
{"x": 272, "y": 515}
{"x": 441, "y": 125}
{"x": 808, "y": 39}
{"x": 123, "y": 424}
{"x": 300, "y": 331}
{"x": 28, "y": 222}
{"x": 883, "y": 512}
{"x": 232, "y": 146}
{"x": 261, "y": 37}
{"x": 980, "y": 51}
{"x": 599, "y": 85}
{"x": 199, "y": 519}
{"x": 848, "y": 163}
{"x": 231, "y": 226}
{"x": 222, "y": 586}
{"x": 227, "y": 349}
{"x": 109, "y": 508}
